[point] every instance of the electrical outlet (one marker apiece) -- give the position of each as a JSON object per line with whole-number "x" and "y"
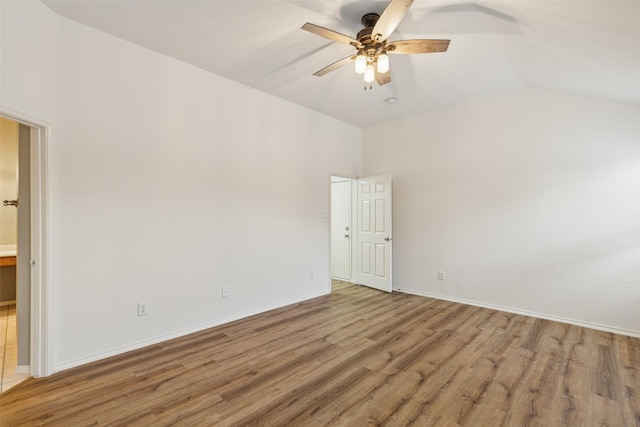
{"x": 143, "y": 309}
{"x": 441, "y": 275}
{"x": 311, "y": 275}
{"x": 225, "y": 292}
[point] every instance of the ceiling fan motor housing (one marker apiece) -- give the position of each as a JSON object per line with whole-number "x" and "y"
{"x": 369, "y": 21}
{"x": 371, "y": 47}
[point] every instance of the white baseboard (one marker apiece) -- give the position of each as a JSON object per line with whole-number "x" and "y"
{"x": 596, "y": 326}
{"x": 162, "y": 338}
{"x": 23, "y": 369}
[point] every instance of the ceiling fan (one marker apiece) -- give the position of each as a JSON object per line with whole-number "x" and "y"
{"x": 371, "y": 44}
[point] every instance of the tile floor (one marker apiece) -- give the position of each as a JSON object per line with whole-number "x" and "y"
{"x": 8, "y": 349}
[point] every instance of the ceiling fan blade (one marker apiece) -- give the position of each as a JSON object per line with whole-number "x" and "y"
{"x": 390, "y": 19}
{"x": 418, "y": 46}
{"x": 330, "y": 34}
{"x": 383, "y": 78}
{"x": 329, "y": 68}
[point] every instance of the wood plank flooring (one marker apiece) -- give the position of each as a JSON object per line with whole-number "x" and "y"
{"x": 355, "y": 357}
{"x": 9, "y": 349}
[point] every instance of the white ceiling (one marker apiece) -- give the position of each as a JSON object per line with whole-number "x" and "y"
{"x": 586, "y": 47}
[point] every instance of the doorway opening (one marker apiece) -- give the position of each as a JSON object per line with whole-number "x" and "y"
{"x": 342, "y": 230}
{"x": 24, "y": 219}
{"x": 361, "y": 231}
{"x": 14, "y": 253}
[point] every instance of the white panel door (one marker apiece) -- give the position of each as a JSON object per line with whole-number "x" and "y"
{"x": 374, "y": 232}
{"x": 341, "y": 230}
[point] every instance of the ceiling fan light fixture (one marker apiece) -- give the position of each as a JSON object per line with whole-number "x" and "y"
{"x": 361, "y": 64}
{"x": 369, "y": 74}
{"x": 383, "y": 63}
{"x": 371, "y": 44}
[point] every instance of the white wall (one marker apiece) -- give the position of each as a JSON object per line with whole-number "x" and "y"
{"x": 528, "y": 200}
{"x": 167, "y": 183}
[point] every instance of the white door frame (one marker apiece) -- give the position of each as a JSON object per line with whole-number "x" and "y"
{"x": 40, "y": 359}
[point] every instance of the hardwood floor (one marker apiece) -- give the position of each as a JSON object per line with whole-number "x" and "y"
{"x": 8, "y": 350}
{"x": 355, "y": 357}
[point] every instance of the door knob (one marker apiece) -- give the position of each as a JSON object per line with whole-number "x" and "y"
{"x": 346, "y": 235}
{"x": 386, "y": 239}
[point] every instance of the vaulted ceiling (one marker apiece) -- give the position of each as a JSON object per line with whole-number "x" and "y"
{"x": 585, "y": 47}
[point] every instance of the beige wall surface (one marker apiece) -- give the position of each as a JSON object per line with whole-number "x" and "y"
{"x": 8, "y": 180}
